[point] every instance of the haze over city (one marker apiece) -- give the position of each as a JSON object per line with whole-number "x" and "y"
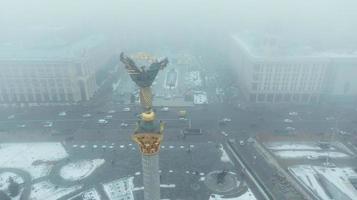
{"x": 193, "y": 100}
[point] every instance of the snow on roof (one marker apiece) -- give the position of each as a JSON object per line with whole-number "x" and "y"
{"x": 340, "y": 178}
{"x": 308, "y": 175}
{"x": 315, "y": 154}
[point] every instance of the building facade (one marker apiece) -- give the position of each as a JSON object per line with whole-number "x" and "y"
{"x": 60, "y": 76}
{"x": 268, "y": 74}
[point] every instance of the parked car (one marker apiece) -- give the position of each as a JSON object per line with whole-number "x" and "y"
{"x": 11, "y": 117}
{"x": 111, "y": 111}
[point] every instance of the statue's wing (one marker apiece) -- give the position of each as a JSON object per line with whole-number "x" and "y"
{"x": 163, "y": 63}
{"x": 129, "y": 64}
{"x": 159, "y": 65}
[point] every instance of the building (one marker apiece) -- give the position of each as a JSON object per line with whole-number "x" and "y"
{"x": 274, "y": 70}
{"x": 56, "y": 74}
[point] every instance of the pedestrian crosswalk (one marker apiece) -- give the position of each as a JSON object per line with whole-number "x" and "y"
{"x": 128, "y": 146}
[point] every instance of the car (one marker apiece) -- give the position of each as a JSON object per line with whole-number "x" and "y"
{"x": 344, "y": 132}
{"x": 290, "y": 128}
{"x": 293, "y": 113}
{"x": 86, "y": 115}
{"x": 329, "y": 118}
{"x": 48, "y": 124}
{"x": 127, "y": 109}
{"x": 102, "y": 121}
{"x": 224, "y": 133}
{"x": 288, "y": 120}
{"x": 108, "y": 117}
{"x": 62, "y": 114}
{"x": 21, "y": 125}
{"x": 124, "y": 124}
{"x": 329, "y": 164}
{"x": 250, "y": 140}
{"x": 182, "y": 118}
{"x": 165, "y": 109}
{"x": 310, "y": 157}
{"x": 11, "y": 117}
{"x": 226, "y": 119}
{"x": 241, "y": 143}
{"x": 111, "y": 111}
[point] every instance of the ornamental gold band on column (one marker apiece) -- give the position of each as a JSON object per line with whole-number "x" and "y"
{"x": 149, "y": 143}
{"x": 146, "y": 97}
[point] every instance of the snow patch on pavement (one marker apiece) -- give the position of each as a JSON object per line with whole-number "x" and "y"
{"x": 80, "y": 169}
{"x": 35, "y": 158}
{"x": 246, "y": 196}
{"x": 224, "y": 155}
{"x": 91, "y": 194}
{"x": 120, "y": 189}
{"x": 46, "y": 190}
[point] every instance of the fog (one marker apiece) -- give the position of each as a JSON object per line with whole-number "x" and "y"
{"x": 178, "y": 99}
{"x": 180, "y": 23}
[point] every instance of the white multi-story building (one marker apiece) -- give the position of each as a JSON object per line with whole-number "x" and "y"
{"x": 271, "y": 72}
{"x": 56, "y": 75}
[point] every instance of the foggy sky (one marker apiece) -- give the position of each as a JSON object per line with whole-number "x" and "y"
{"x": 175, "y": 22}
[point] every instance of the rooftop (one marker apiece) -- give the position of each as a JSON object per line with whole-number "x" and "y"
{"x": 269, "y": 45}
{"x": 52, "y": 49}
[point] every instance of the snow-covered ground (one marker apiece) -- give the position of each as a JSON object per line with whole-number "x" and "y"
{"x": 4, "y": 182}
{"x": 316, "y": 177}
{"x": 91, "y": 194}
{"x": 80, "y": 169}
{"x": 120, "y": 189}
{"x": 224, "y": 155}
{"x": 46, "y": 190}
{"x": 307, "y": 176}
{"x": 35, "y": 158}
{"x": 291, "y": 146}
{"x": 311, "y": 154}
{"x": 246, "y": 196}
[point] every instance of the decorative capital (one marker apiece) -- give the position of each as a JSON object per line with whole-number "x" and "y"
{"x": 149, "y": 143}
